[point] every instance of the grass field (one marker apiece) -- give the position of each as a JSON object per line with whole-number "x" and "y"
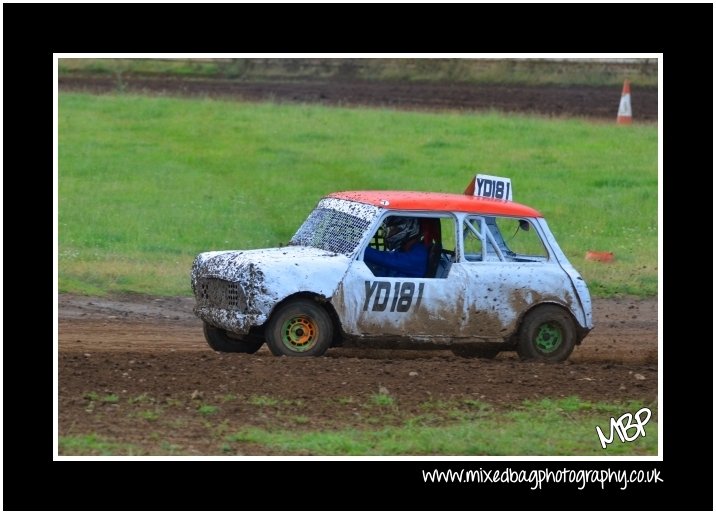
{"x": 458, "y": 427}
{"x": 146, "y": 183}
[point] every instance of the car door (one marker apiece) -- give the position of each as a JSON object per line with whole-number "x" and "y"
{"x": 503, "y": 284}
{"x": 421, "y": 309}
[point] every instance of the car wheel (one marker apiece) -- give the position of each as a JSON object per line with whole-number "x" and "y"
{"x": 222, "y": 341}
{"x": 474, "y": 351}
{"x": 547, "y": 334}
{"x": 300, "y": 328}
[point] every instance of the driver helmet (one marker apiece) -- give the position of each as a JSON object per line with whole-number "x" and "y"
{"x": 400, "y": 229}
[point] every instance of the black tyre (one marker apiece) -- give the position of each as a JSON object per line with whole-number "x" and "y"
{"x": 300, "y": 328}
{"x": 547, "y": 334}
{"x": 222, "y": 341}
{"x": 474, "y": 351}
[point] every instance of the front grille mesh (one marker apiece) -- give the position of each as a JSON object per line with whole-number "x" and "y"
{"x": 222, "y": 294}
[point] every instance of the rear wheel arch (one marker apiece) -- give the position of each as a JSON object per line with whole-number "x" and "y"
{"x": 548, "y": 332}
{"x": 543, "y": 304}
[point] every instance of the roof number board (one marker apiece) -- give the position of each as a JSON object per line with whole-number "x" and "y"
{"x": 489, "y": 186}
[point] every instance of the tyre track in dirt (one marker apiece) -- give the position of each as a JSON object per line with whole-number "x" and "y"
{"x": 623, "y": 342}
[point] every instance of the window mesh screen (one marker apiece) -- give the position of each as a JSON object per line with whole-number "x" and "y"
{"x": 331, "y": 230}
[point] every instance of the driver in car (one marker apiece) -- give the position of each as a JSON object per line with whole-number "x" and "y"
{"x": 406, "y": 255}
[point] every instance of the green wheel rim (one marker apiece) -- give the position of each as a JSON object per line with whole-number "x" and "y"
{"x": 548, "y": 337}
{"x": 299, "y": 333}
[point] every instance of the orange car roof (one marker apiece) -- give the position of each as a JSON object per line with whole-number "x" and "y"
{"x": 422, "y": 201}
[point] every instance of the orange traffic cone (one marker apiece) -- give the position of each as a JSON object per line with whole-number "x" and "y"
{"x": 624, "y": 114}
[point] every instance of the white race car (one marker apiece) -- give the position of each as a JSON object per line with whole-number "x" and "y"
{"x": 494, "y": 279}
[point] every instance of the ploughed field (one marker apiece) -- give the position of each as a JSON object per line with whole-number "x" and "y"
{"x": 562, "y": 101}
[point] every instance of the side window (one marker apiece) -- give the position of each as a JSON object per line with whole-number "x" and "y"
{"x": 521, "y": 240}
{"x": 412, "y": 246}
{"x": 472, "y": 240}
{"x": 447, "y": 232}
{"x": 491, "y": 238}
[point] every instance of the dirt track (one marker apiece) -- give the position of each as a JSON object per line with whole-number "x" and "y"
{"x": 582, "y": 101}
{"x": 150, "y": 354}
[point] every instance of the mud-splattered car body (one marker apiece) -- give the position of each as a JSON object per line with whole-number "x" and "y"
{"x": 479, "y": 296}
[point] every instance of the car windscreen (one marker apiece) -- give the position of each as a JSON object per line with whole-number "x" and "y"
{"x": 331, "y": 230}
